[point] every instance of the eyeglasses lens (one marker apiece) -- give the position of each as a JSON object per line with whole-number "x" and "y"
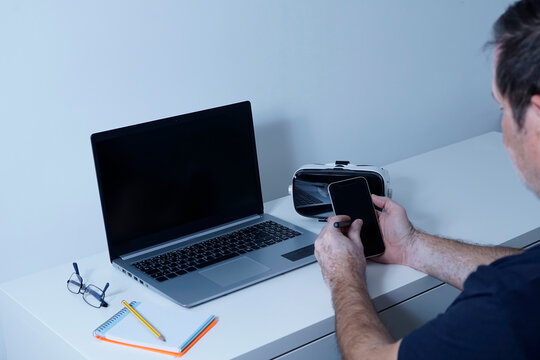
{"x": 74, "y": 283}
{"x": 93, "y": 295}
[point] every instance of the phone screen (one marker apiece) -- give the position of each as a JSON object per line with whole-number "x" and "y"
{"x": 352, "y": 197}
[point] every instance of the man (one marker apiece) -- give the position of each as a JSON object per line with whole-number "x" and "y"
{"x": 498, "y": 313}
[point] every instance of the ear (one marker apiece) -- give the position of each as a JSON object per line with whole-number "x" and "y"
{"x": 535, "y": 103}
{"x": 534, "y": 112}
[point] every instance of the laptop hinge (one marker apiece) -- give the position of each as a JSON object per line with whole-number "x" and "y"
{"x": 188, "y": 237}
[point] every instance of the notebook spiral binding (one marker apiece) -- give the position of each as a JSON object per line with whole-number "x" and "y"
{"x": 103, "y": 328}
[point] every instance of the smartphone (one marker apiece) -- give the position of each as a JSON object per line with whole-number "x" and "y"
{"x": 352, "y": 197}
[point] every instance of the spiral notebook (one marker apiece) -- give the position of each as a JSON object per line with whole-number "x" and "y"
{"x": 181, "y": 332}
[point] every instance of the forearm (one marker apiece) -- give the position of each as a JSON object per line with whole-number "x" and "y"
{"x": 360, "y": 333}
{"x": 449, "y": 260}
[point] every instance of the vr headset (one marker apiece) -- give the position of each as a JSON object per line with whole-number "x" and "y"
{"x": 309, "y": 187}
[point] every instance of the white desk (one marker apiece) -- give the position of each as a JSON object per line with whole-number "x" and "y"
{"x": 467, "y": 190}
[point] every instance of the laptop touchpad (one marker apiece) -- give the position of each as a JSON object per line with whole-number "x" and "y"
{"x": 234, "y": 271}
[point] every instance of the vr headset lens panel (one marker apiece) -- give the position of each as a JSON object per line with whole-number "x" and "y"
{"x": 310, "y": 189}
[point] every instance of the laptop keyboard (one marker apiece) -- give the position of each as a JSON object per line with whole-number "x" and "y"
{"x": 182, "y": 261}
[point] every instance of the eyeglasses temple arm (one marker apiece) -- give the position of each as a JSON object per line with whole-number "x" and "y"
{"x": 105, "y": 289}
{"x": 76, "y": 268}
{"x": 103, "y": 302}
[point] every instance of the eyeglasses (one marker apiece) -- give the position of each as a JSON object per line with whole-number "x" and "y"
{"x": 92, "y": 295}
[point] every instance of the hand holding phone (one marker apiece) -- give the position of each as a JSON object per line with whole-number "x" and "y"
{"x": 352, "y": 197}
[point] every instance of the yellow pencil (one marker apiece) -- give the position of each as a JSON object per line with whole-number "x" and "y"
{"x": 143, "y": 320}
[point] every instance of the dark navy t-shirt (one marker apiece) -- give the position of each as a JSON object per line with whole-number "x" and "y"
{"x": 497, "y": 316}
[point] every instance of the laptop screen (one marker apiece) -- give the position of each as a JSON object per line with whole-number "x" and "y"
{"x": 168, "y": 178}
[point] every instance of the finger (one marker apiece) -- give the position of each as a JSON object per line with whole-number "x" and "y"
{"x": 380, "y": 201}
{"x": 335, "y": 218}
{"x": 378, "y": 213}
{"x": 354, "y": 231}
{"x": 316, "y": 252}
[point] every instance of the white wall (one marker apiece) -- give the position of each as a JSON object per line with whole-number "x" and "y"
{"x": 370, "y": 81}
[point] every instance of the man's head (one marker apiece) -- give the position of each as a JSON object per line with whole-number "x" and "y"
{"x": 516, "y": 85}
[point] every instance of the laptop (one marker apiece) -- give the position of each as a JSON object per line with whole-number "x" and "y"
{"x": 183, "y": 210}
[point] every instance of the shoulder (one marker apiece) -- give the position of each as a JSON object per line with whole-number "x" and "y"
{"x": 505, "y": 275}
{"x": 496, "y": 315}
